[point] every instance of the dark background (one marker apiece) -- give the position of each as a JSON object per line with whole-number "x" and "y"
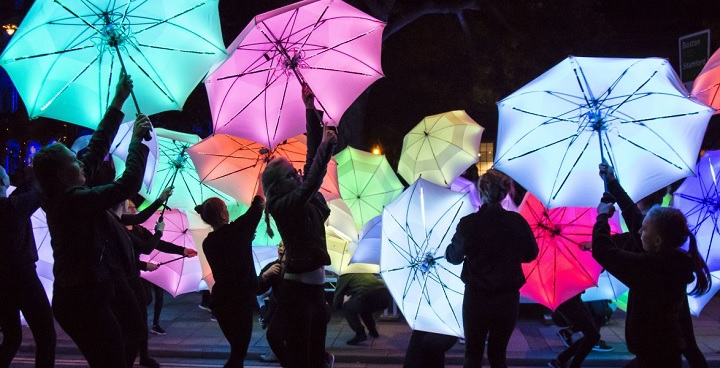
{"x": 437, "y": 56}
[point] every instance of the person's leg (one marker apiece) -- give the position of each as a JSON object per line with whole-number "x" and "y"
{"x": 138, "y": 288}
{"x": 574, "y": 310}
{"x": 374, "y": 301}
{"x": 10, "y": 323}
{"x": 321, "y": 313}
{"x": 475, "y": 323}
{"x": 666, "y": 358}
{"x": 36, "y": 308}
{"x": 235, "y": 319}
{"x": 294, "y": 315}
{"x": 159, "y": 301}
{"x": 502, "y": 311}
{"x": 352, "y": 310}
{"x": 84, "y": 314}
{"x": 692, "y": 353}
{"x": 434, "y": 347}
{"x": 129, "y": 315}
{"x": 276, "y": 340}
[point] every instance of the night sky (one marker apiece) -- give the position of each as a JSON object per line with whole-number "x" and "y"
{"x": 442, "y": 61}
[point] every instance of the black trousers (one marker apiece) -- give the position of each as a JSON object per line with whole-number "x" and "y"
{"x": 303, "y": 313}
{"x": 235, "y": 317}
{"x": 103, "y": 319}
{"x": 159, "y": 298}
{"x": 136, "y": 284}
{"x": 491, "y": 316}
{"x": 427, "y": 349}
{"x": 23, "y": 292}
{"x": 363, "y": 307}
{"x": 692, "y": 353}
{"x": 580, "y": 319}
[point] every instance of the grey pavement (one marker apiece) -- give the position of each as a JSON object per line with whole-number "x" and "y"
{"x": 191, "y": 334}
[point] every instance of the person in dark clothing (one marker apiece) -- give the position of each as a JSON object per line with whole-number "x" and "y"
{"x": 427, "y": 349}
{"x": 20, "y": 287}
{"x": 657, "y": 279}
{"x": 300, "y": 212}
{"x": 492, "y": 243}
{"x": 144, "y": 242}
{"x": 634, "y": 214}
{"x": 575, "y": 312}
{"x": 228, "y": 250}
{"x": 270, "y": 281}
{"x": 368, "y": 294}
{"x": 92, "y": 300}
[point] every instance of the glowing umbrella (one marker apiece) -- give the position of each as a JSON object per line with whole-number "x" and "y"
{"x": 329, "y": 45}
{"x": 562, "y": 269}
{"x": 119, "y": 149}
{"x": 369, "y": 242}
{"x": 262, "y": 238}
{"x": 234, "y": 165}
{"x": 176, "y": 168}
{"x": 177, "y": 274}
{"x": 440, "y": 148}
{"x": 367, "y": 183}
{"x": 417, "y": 228}
{"x": 698, "y": 198}
{"x": 707, "y": 84}
{"x": 66, "y": 56}
{"x": 698, "y": 302}
{"x": 634, "y": 113}
{"x": 608, "y": 288}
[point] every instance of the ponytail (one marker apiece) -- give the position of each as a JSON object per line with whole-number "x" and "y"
{"x": 703, "y": 282}
{"x": 268, "y": 228}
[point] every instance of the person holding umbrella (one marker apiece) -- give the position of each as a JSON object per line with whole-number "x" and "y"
{"x": 92, "y": 300}
{"x": 368, "y": 294}
{"x": 300, "y": 212}
{"x": 228, "y": 249}
{"x": 20, "y": 287}
{"x": 492, "y": 243}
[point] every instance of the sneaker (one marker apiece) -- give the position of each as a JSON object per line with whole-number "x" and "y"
{"x": 556, "y": 364}
{"x": 149, "y": 362}
{"x": 269, "y": 357}
{"x": 374, "y": 333}
{"x": 213, "y": 318}
{"x": 602, "y": 346}
{"x": 566, "y": 336}
{"x": 204, "y": 307}
{"x": 357, "y": 339}
{"x": 329, "y": 360}
{"x": 157, "y": 330}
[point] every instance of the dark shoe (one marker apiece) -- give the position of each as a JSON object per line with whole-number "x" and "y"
{"x": 565, "y": 335}
{"x": 157, "y": 330}
{"x": 204, "y": 307}
{"x": 556, "y": 364}
{"x": 329, "y": 360}
{"x": 269, "y": 357}
{"x": 149, "y": 362}
{"x": 357, "y": 339}
{"x": 602, "y": 346}
{"x": 374, "y": 333}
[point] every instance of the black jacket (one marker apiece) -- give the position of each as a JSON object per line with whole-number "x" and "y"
{"x": 89, "y": 245}
{"x": 493, "y": 243}
{"x": 17, "y": 241}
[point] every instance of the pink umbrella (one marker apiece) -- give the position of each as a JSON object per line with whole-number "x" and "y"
{"x": 177, "y": 274}
{"x": 330, "y": 45}
{"x": 706, "y": 86}
{"x": 562, "y": 269}
{"x": 233, "y": 165}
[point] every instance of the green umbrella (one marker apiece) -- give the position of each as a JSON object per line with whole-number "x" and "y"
{"x": 367, "y": 183}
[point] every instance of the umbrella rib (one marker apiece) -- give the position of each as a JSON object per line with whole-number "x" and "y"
{"x": 163, "y": 89}
{"x": 562, "y": 184}
{"x": 52, "y": 53}
{"x": 655, "y": 154}
{"x": 155, "y": 47}
{"x": 256, "y": 71}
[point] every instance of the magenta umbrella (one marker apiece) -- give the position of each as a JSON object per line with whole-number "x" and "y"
{"x": 330, "y": 45}
{"x": 176, "y": 274}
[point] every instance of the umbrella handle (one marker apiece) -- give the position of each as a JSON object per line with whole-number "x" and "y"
{"x": 603, "y": 161}
{"x": 147, "y": 136}
{"x": 172, "y": 260}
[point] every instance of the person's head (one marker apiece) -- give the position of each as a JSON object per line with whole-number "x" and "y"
{"x": 494, "y": 186}
{"x": 57, "y": 169}
{"x": 279, "y": 177}
{"x": 281, "y": 251}
{"x": 656, "y": 198}
{"x": 129, "y": 207}
{"x": 4, "y": 182}
{"x": 214, "y": 212}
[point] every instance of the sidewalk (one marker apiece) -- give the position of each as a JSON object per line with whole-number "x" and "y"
{"x": 191, "y": 334}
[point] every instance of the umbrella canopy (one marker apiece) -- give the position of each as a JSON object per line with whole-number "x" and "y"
{"x": 707, "y": 84}
{"x": 329, "y": 45}
{"x": 66, "y": 56}
{"x": 634, "y": 113}
{"x": 176, "y": 168}
{"x": 177, "y": 276}
{"x": 463, "y": 185}
{"x": 341, "y": 236}
{"x": 121, "y": 144}
{"x": 608, "y": 288}
{"x": 416, "y": 229}
{"x": 698, "y": 198}
{"x": 440, "y": 148}
{"x": 234, "y": 165}
{"x": 264, "y": 255}
{"x": 562, "y": 269}
{"x": 369, "y": 242}
{"x": 698, "y": 302}
{"x": 367, "y": 183}
{"x": 262, "y": 238}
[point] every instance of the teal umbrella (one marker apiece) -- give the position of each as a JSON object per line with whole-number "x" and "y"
{"x": 367, "y": 183}
{"x": 66, "y": 56}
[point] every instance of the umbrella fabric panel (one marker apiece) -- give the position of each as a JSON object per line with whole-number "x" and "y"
{"x": 548, "y": 131}
{"x": 367, "y": 183}
{"x": 369, "y": 242}
{"x": 64, "y": 65}
{"x": 698, "y": 198}
{"x": 698, "y": 302}
{"x": 121, "y": 144}
{"x": 330, "y": 45}
{"x": 608, "y": 288}
{"x": 416, "y": 229}
{"x": 707, "y": 84}
{"x": 440, "y": 148}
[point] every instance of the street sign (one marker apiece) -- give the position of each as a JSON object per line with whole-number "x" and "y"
{"x": 694, "y": 53}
